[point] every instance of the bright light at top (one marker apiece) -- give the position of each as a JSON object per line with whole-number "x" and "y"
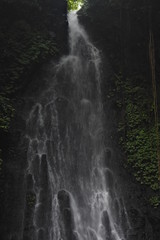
{"x": 75, "y": 5}
{"x": 79, "y": 6}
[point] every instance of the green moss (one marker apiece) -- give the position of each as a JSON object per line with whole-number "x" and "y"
{"x": 6, "y": 112}
{"x": 31, "y": 200}
{"x": 155, "y": 201}
{"x": 136, "y": 128}
{"x": 23, "y": 45}
{"x": 24, "y": 48}
{"x": 140, "y": 148}
{"x": 18, "y": 59}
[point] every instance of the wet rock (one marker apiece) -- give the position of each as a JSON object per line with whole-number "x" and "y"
{"x": 36, "y": 163}
{"x": 108, "y": 153}
{"x": 40, "y": 215}
{"x": 92, "y": 235}
{"x": 30, "y": 182}
{"x": 41, "y": 235}
{"x": 106, "y": 223}
{"x": 109, "y": 178}
{"x": 116, "y": 210}
{"x": 44, "y": 172}
{"x": 66, "y": 215}
{"x": 108, "y": 157}
{"x": 63, "y": 199}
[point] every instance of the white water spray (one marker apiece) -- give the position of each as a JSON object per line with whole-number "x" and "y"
{"x": 66, "y": 151}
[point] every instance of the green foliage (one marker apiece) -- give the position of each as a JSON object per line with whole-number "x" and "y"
{"x": 22, "y": 48}
{"x": 137, "y": 133}
{"x": 74, "y": 4}
{"x": 23, "y": 45}
{"x": 140, "y": 148}
{"x": 155, "y": 201}
{"x": 31, "y": 199}
{"x": 6, "y": 112}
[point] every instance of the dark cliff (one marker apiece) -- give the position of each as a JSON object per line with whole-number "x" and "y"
{"x": 127, "y": 32}
{"x": 32, "y": 33}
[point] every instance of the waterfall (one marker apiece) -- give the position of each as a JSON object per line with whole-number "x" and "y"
{"x": 69, "y": 175}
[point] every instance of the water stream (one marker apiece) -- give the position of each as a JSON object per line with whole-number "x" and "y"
{"x": 70, "y": 175}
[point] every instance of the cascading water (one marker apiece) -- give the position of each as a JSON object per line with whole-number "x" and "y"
{"x": 68, "y": 172}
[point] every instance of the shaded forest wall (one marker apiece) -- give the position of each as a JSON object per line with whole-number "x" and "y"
{"x": 31, "y": 33}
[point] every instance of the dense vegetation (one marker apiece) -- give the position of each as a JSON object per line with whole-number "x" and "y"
{"x": 137, "y": 131}
{"x": 25, "y": 43}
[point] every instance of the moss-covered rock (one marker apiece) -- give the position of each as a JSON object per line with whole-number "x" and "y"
{"x": 137, "y": 131}
{"x": 29, "y": 38}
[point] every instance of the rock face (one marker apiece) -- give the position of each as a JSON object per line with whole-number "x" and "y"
{"x": 121, "y": 29}
{"x": 57, "y": 11}
{"x": 66, "y": 215}
{"x": 16, "y": 202}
